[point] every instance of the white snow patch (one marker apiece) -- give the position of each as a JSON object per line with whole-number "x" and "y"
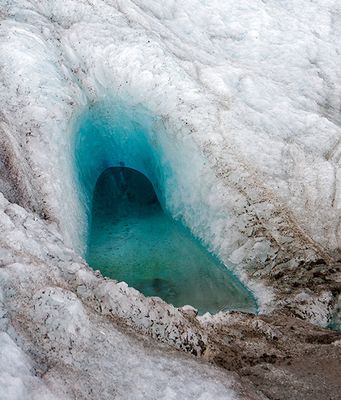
{"x": 17, "y": 377}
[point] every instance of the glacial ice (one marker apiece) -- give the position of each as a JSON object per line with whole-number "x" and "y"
{"x": 245, "y": 97}
{"x": 112, "y": 134}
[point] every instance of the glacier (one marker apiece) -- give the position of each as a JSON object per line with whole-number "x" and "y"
{"x": 237, "y": 109}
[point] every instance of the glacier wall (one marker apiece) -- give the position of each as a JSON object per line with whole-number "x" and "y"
{"x": 251, "y": 91}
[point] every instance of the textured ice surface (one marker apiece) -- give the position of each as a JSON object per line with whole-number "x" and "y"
{"x": 133, "y": 240}
{"x": 17, "y": 376}
{"x": 252, "y": 88}
{"x": 61, "y": 337}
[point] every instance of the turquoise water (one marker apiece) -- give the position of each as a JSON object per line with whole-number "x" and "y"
{"x": 131, "y": 239}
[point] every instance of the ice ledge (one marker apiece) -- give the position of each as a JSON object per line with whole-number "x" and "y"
{"x": 67, "y": 317}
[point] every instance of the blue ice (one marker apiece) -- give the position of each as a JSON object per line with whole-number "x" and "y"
{"x": 132, "y": 236}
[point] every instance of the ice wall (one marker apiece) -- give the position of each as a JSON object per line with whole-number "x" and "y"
{"x": 252, "y": 89}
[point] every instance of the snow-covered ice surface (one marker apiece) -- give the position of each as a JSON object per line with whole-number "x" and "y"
{"x": 17, "y": 377}
{"x": 245, "y": 98}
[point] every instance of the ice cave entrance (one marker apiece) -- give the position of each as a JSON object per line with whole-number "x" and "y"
{"x": 125, "y": 184}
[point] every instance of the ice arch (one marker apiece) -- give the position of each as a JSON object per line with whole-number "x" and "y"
{"x": 114, "y": 136}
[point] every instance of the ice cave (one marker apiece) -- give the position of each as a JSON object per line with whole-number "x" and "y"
{"x": 131, "y": 234}
{"x": 170, "y": 199}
